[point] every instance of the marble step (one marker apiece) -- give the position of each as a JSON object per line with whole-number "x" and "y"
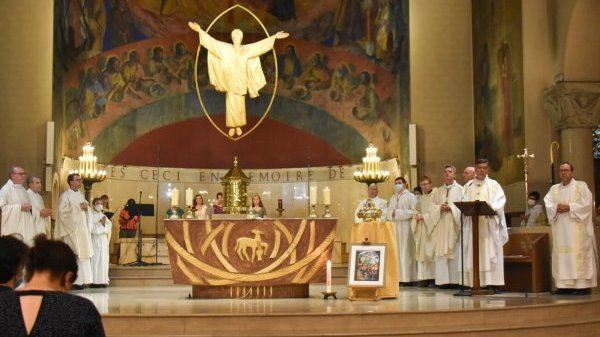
{"x": 132, "y": 276}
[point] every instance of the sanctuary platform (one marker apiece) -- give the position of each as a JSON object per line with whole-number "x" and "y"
{"x": 167, "y": 311}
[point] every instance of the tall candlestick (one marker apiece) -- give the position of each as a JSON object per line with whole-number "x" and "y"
{"x": 328, "y": 276}
{"x": 326, "y": 196}
{"x": 174, "y": 197}
{"x": 313, "y": 195}
{"x": 189, "y": 196}
{"x": 280, "y": 203}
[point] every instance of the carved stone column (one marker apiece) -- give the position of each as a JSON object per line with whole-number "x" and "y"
{"x": 574, "y": 111}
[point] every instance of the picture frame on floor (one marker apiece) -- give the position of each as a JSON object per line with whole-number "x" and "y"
{"x": 366, "y": 267}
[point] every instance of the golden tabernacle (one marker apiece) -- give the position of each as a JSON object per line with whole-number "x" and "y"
{"x": 249, "y": 258}
{"x": 235, "y": 185}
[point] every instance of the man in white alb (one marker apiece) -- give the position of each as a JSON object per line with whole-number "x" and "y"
{"x": 41, "y": 214}
{"x": 574, "y": 255}
{"x": 421, "y": 228}
{"x": 375, "y": 199}
{"x": 16, "y": 207}
{"x": 74, "y": 227}
{"x": 401, "y": 210}
{"x": 493, "y": 233}
{"x": 445, "y": 217}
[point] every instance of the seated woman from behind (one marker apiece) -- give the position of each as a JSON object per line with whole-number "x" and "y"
{"x": 43, "y": 307}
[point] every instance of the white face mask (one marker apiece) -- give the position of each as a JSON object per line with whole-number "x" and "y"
{"x": 531, "y": 202}
{"x": 98, "y": 208}
{"x": 399, "y": 187}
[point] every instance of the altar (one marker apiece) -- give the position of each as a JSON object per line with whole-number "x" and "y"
{"x": 247, "y": 258}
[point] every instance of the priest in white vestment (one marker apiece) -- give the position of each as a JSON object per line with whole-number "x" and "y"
{"x": 74, "y": 227}
{"x": 235, "y": 69}
{"x": 401, "y": 210}
{"x": 41, "y": 214}
{"x": 16, "y": 207}
{"x": 421, "y": 228}
{"x": 101, "y": 228}
{"x": 493, "y": 233}
{"x": 373, "y": 194}
{"x": 445, "y": 217}
{"x": 570, "y": 210}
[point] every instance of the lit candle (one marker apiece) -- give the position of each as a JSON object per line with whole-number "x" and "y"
{"x": 189, "y": 196}
{"x": 328, "y": 276}
{"x": 174, "y": 197}
{"x": 280, "y": 203}
{"x": 326, "y": 196}
{"x": 313, "y": 195}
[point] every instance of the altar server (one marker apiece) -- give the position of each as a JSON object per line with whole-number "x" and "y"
{"x": 101, "y": 228}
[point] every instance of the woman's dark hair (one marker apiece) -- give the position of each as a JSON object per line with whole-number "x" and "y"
{"x": 260, "y": 204}
{"x": 130, "y": 202}
{"x": 51, "y": 256}
{"x": 535, "y": 195}
{"x": 13, "y": 254}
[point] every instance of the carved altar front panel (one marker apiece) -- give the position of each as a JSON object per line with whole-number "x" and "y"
{"x": 249, "y": 252}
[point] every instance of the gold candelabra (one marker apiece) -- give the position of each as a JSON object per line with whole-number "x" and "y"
{"x": 371, "y": 168}
{"x": 88, "y": 170}
{"x": 371, "y": 173}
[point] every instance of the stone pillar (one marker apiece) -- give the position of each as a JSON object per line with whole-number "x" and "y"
{"x": 574, "y": 111}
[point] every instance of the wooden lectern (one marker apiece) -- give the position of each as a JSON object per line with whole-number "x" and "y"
{"x": 475, "y": 209}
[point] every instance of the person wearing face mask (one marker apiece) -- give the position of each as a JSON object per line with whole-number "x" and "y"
{"x": 101, "y": 229}
{"x": 401, "y": 210}
{"x": 534, "y": 210}
{"x": 373, "y": 194}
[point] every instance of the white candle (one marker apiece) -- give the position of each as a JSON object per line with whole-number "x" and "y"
{"x": 326, "y": 196}
{"x": 189, "y": 196}
{"x": 313, "y": 195}
{"x": 174, "y": 197}
{"x": 328, "y": 276}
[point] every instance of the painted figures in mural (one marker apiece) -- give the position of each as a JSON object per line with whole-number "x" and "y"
{"x": 345, "y": 67}
{"x": 367, "y": 265}
{"x": 235, "y": 69}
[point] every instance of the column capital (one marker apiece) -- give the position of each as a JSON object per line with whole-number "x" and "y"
{"x": 573, "y": 105}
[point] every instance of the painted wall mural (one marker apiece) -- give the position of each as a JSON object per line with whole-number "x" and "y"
{"x": 124, "y": 79}
{"x": 498, "y": 81}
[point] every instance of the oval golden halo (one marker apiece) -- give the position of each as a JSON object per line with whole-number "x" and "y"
{"x": 198, "y": 87}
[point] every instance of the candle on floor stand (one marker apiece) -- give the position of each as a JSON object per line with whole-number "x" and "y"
{"x": 280, "y": 203}
{"x": 174, "y": 197}
{"x": 328, "y": 276}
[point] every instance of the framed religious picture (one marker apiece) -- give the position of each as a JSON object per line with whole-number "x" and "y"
{"x": 367, "y": 265}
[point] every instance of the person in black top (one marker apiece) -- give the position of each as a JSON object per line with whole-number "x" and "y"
{"x": 13, "y": 253}
{"x": 43, "y": 307}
